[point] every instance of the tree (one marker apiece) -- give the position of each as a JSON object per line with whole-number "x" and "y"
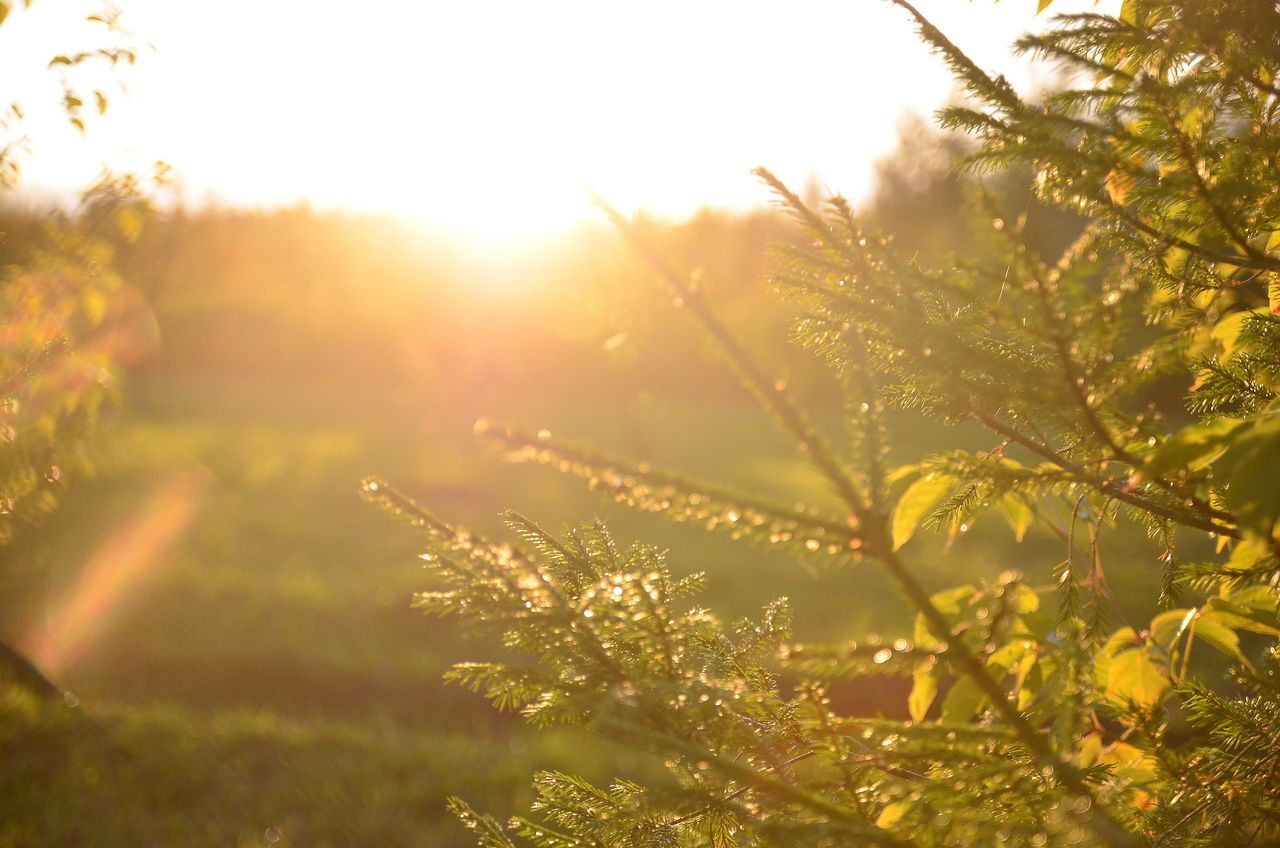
{"x": 1033, "y": 720}
{"x": 64, "y": 325}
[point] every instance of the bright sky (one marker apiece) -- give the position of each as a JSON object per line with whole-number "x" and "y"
{"x": 494, "y": 117}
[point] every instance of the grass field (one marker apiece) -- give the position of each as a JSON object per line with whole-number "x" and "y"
{"x": 265, "y": 678}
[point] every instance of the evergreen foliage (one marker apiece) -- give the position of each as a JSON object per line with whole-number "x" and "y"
{"x": 1033, "y": 720}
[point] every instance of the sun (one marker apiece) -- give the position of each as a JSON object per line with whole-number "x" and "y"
{"x": 493, "y": 118}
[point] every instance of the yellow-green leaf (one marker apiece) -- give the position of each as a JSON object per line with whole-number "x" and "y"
{"x": 1248, "y": 469}
{"x": 952, "y": 601}
{"x": 1090, "y": 747}
{"x": 1018, "y": 513}
{"x": 962, "y": 702}
{"x": 1009, "y": 654}
{"x": 924, "y": 688}
{"x": 891, "y": 814}
{"x": 1227, "y": 331}
{"x": 1168, "y": 626}
{"x": 923, "y": 635}
{"x": 1023, "y": 599}
{"x": 1127, "y": 762}
{"x": 1250, "y": 612}
{"x": 1213, "y": 628}
{"x": 1246, "y": 554}
{"x": 1191, "y": 448}
{"x": 918, "y": 501}
{"x": 1119, "y": 183}
{"x": 1134, "y": 677}
{"x": 949, "y": 602}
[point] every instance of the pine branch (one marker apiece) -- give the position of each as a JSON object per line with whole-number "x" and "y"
{"x": 681, "y": 498}
{"x": 772, "y": 394}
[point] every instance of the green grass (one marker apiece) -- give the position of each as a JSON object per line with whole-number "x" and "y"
{"x": 164, "y": 775}
{"x": 267, "y": 679}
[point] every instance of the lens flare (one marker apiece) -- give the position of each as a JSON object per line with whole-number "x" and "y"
{"x": 115, "y": 570}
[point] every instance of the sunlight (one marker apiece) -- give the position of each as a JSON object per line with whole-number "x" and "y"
{"x": 640, "y": 424}
{"x": 495, "y": 117}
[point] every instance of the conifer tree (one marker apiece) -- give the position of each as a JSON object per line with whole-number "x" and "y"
{"x": 1034, "y": 720}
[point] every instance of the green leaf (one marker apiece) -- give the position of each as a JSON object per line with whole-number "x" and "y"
{"x": 1023, "y": 599}
{"x": 1246, "y": 553}
{"x": 1136, "y": 678}
{"x": 1018, "y": 513}
{"x": 962, "y": 702}
{"x": 1119, "y": 183}
{"x": 1239, "y": 616}
{"x": 1089, "y": 750}
{"x": 1248, "y": 467}
{"x": 1125, "y": 637}
{"x": 1168, "y": 626}
{"x": 1256, "y": 599}
{"x": 924, "y": 689}
{"x": 1214, "y": 629}
{"x": 1227, "y": 331}
{"x": 952, "y": 601}
{"x": 892, "y": 814}
{"x": 923, "y": 636}
{"x": 949, "y": 602}
{"x": 918, "y": 501}
{"x": 1118, "y": 641}
{"x": 1007, "y": 656}
{"x": 1128, "y": 762}
{"x": 1191, "y": 448}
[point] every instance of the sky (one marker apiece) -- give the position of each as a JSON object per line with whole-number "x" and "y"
{"x": 498, "y": 117}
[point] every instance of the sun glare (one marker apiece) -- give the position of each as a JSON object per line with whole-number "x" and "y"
{"x": 116, "y": 569}
{"x": 494, "y": 117}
